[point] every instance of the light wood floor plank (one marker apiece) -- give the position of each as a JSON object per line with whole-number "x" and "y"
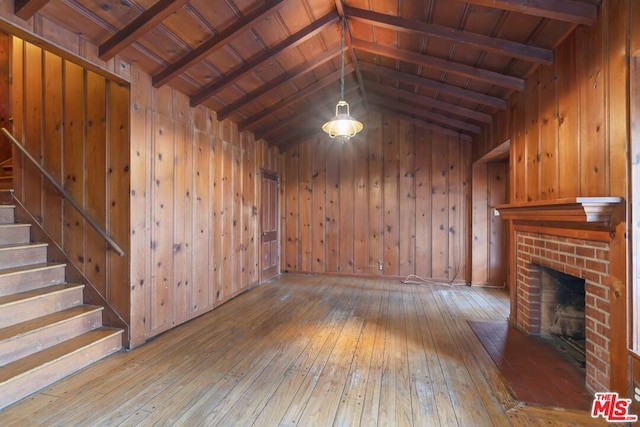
{"x": 306, "y": 351}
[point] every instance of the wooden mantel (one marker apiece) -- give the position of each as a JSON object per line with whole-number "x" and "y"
{"x": 583, "y": 210}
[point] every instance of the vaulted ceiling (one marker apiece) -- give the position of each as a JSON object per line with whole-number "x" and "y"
{"x": 273, "y": 66}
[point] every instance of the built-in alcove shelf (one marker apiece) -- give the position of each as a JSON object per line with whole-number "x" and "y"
{"x": 584, "y": 210}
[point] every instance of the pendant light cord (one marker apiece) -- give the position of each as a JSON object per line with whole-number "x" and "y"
{"x": 342, "y": 60}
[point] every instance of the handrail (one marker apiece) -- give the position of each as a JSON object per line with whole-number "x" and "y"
{"x": 65, "y": 194}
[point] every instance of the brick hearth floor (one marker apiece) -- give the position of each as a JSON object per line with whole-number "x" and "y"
{"x": 536, "y": 372}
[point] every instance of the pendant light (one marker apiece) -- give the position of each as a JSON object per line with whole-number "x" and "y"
{"x": 342, "y": 125}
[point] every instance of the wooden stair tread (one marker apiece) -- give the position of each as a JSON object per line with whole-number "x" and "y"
{"x": 15, "y": 225}
{"x": 31, "y": 267}
{"x": 49, "y": 355}
{"x": 19, "y": 329}
{"x": 22, "y": 246}
{"x": 38, "y": 292}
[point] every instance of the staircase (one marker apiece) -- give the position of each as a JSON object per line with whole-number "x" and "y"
{"x": 46, "y": 332}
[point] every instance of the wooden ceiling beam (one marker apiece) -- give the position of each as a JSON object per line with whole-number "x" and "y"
{"x": 309, "y": 90}
{"x": 490, "y": 44}
{"x": 427, "y": 125}
{"x": 216, "y": 42}
{"x": 283, "y": 79}
{"x": 487, "y": 76}
{"x": 25, "y": 9}
{"x": 297, "y": 117}
{"x": 428, "y": 115}
{"x": 429, "y": 102}
{"x": 466, "y": 94}
{"x": 290, "y": 42}
{"x": 147, "y": 20}
{"x": 575, "y": 12}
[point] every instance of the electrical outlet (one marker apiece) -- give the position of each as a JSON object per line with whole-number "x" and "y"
{"x": 380, "y": 265}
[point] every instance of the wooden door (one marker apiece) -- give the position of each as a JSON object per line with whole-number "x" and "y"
{"x": 269, "y": 226}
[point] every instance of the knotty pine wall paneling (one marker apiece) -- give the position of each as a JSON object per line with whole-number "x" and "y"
{"x": 398, "y": 195}
{"x": 305, "y": 206}
{"x": 118, "y": 207}
{"x": 423, "y": 150}
{"x": 332, "y": 209}
{"x": 548, "y": 128}
{"x": 407, "y": 199}
{"x": 291, "y": 209}
{"x": 439, "y": 209}
{"x": 374, "y": 140}
{"x": 202, "y": 206}
{"x": 568, "y": 119}
{"x": 361, "y": 198}
{"x": 6, "y": 42}
{"x": 96, "y": 154}
{"x": 347, "y": 205}
{"x": 53, "y": 134}
{"x": 318, "y": 192}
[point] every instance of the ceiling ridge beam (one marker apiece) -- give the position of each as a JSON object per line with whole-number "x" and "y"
{"x": 25, "y": 9}
{"x": 291, "y": 41}
{"x": 147, "y": 20}
{"x": 429, "y": 115}
{"x": 216, "y": 42}
{"x": 575, "y": 12}
{"x": 466, "y": 94}
{"x": 487, "y": 76}
{"x": 490, "y": 44}
{"x": 309, "y": 90}
{"x": 430, "y": 102}
{"x": 284, "y": 78}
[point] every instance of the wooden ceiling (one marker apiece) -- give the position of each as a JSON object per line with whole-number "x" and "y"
{"x": 273, "y": 66}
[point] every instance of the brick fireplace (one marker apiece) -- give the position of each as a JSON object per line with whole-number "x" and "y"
{"x": 582, "y": 258}
{"x": 572, "y": 237}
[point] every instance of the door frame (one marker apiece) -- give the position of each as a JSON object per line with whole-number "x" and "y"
{"x": 271, "y": 175}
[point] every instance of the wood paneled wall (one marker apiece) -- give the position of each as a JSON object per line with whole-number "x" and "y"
{"x": 488, "y": 245}
{"x": 6, "y": 42}
{"x": 397, "y": 195}
{"x": 195, "y": 208}
{"x": 192, "y": 184}
{"x": 569, "y": 133}
{"x": 75, "y": 122}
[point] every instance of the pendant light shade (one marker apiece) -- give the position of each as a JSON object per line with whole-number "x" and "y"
{"x": 342, "y": 125}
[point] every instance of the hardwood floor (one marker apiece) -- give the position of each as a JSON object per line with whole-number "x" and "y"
{"x": 306, "y": 351}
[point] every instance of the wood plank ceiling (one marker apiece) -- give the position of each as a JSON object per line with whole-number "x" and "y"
{"x": 273, "y": 66}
